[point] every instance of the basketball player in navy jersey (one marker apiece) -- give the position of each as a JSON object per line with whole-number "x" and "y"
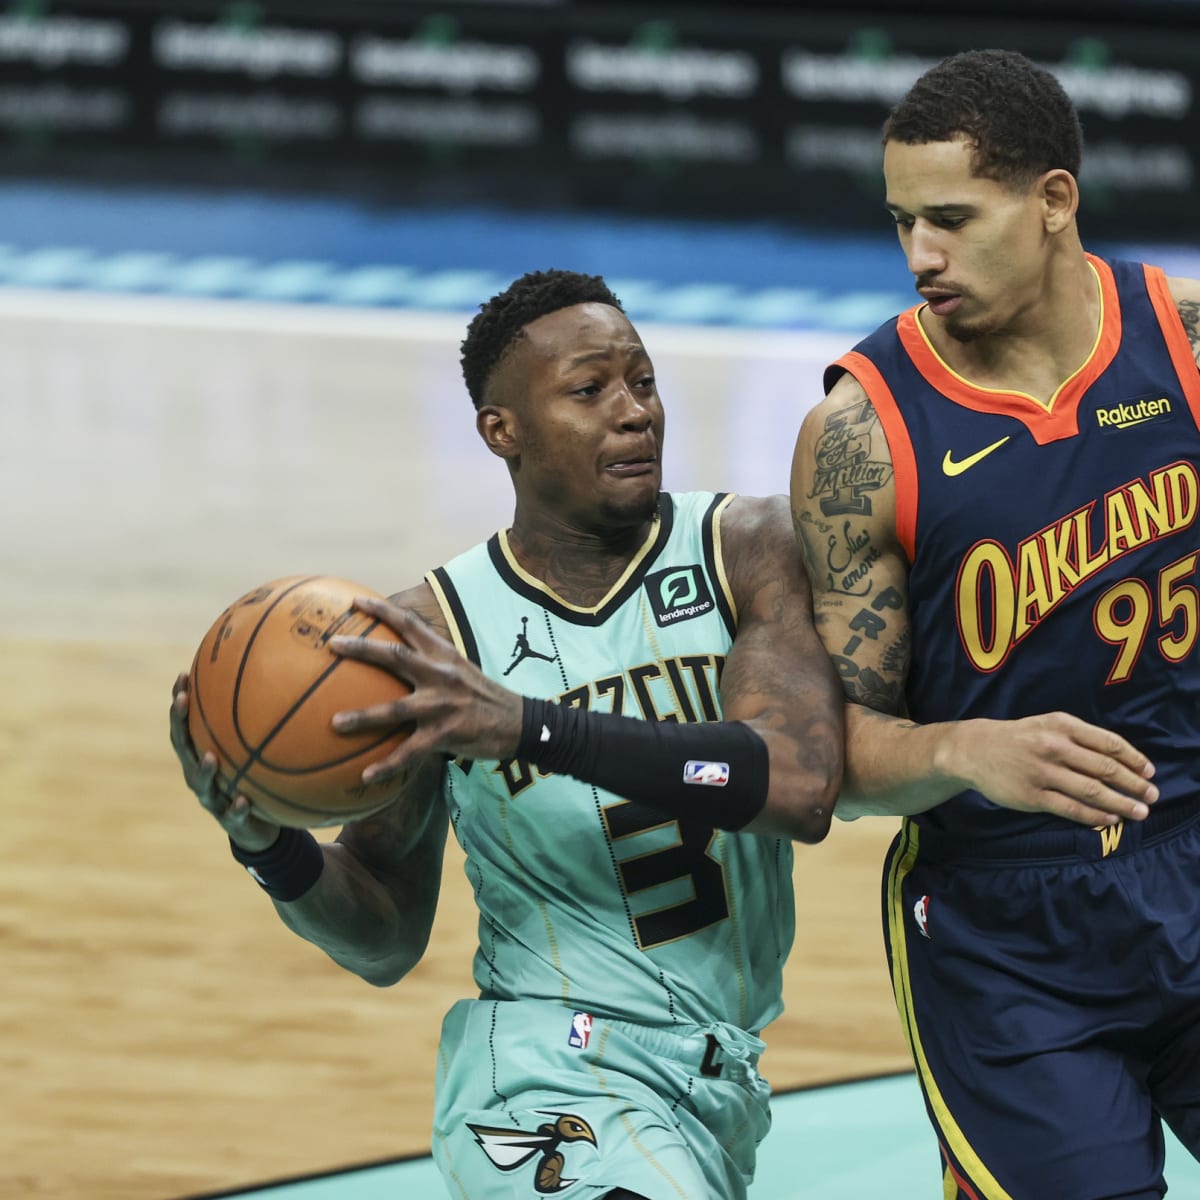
{"x": 998, "y": 505}
{"x": 627, "y": 810}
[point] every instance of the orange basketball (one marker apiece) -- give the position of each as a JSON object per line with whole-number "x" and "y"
{"x": 264, "y": 688}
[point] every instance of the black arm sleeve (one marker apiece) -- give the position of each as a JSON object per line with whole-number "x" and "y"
{"x": 714, "y": 772}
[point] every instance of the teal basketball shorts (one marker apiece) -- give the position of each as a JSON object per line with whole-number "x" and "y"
{"x": 537, "y": 1099}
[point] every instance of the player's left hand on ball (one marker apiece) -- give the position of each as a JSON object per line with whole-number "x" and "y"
{"x": 234, "y": 814}
{"x": 454, "y": 708}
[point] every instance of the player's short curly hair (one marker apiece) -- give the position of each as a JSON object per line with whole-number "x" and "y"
{"x": 499, "y": 322}
{"x": 1015, "y": 113}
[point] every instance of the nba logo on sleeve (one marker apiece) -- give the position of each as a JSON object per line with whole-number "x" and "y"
{"x": 581, "y": 1031}
{"x": 708, "y": 774}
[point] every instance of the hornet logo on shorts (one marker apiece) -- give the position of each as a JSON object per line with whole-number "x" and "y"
{"x": 678, "y": 594}
{"x": 509, "y": 1149}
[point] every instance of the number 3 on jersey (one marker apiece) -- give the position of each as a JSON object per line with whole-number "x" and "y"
{"x": 680, "y": 885}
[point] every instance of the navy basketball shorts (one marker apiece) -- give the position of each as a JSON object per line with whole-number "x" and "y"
{"x": 1049, "y": 990}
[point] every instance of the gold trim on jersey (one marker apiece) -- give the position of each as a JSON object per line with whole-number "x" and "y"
{"x": 634, "y": 565}
{"x": 719, "y": 555}
{"x": 1048, "y": 405}
{"x": 443, "y": 602}
{"x": 902, "y": 863}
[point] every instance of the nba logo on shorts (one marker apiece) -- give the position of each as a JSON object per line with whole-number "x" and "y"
{"x": 921, "y": 912}
{"x": 581, "y": 1031}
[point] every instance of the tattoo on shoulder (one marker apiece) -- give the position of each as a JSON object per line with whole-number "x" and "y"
{"x": 852, "y": 461}
{"x": 1189, "y": 313}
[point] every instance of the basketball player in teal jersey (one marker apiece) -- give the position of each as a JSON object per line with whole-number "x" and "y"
{"x": 998, "y": 501}
{"x": 627, "y": 810}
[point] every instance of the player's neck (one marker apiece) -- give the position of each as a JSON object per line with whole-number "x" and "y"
{"x": 1043, "y": 345}
{"x": 580, "y": 565}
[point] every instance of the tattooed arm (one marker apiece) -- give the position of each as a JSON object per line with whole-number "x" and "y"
{"x": 844, "y": 512}
{"x": 1187, "y": 300}
{"x": 776, "y": 677}
{"x": 372, "y": 909}
{"x": 372, "y": 904}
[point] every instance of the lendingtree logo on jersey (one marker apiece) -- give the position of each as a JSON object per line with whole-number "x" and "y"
{"x": 678, "y": 593}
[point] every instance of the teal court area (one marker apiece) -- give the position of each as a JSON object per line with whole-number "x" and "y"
{"x": 848, "y": 1142}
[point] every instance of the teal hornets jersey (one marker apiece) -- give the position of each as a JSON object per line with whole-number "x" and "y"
{"x": 585, "y": 898}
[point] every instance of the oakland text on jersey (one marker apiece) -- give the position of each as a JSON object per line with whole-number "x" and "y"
{"x": 682, "y": 688}
{"x": 1000, "y": 598}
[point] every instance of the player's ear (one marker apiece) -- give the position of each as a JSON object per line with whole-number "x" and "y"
{"x": 1060, "y": 199}
{"x": 497, "y": 426}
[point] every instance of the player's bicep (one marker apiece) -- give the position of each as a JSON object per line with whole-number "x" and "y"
{"x": 843, "y": 511}
{"x": 776, "y": 670}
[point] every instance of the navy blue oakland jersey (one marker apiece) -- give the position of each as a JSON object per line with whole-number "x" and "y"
{"x": 586, "y": 899}
{"x": 1053, "y": 546}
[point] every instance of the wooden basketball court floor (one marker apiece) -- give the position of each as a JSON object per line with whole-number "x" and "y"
{"x": 162, "y": 1035}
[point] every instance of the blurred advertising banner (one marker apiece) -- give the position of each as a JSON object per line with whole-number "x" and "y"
{"x": 718, "y": 110}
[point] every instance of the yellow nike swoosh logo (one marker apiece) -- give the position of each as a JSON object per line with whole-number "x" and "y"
{"x": 952, "y": 468}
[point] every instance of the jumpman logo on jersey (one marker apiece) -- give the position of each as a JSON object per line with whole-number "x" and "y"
{"x": 523, "y": 650}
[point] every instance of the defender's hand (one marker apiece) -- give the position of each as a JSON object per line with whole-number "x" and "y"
{"x": 1057, "y": 763}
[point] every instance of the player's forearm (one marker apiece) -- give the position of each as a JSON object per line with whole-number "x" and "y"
{"x": 349, "y": 915}
{"x": 895, "y": 767}
{"x": 726, "y": 774}
{"x": 372, "y": 908}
